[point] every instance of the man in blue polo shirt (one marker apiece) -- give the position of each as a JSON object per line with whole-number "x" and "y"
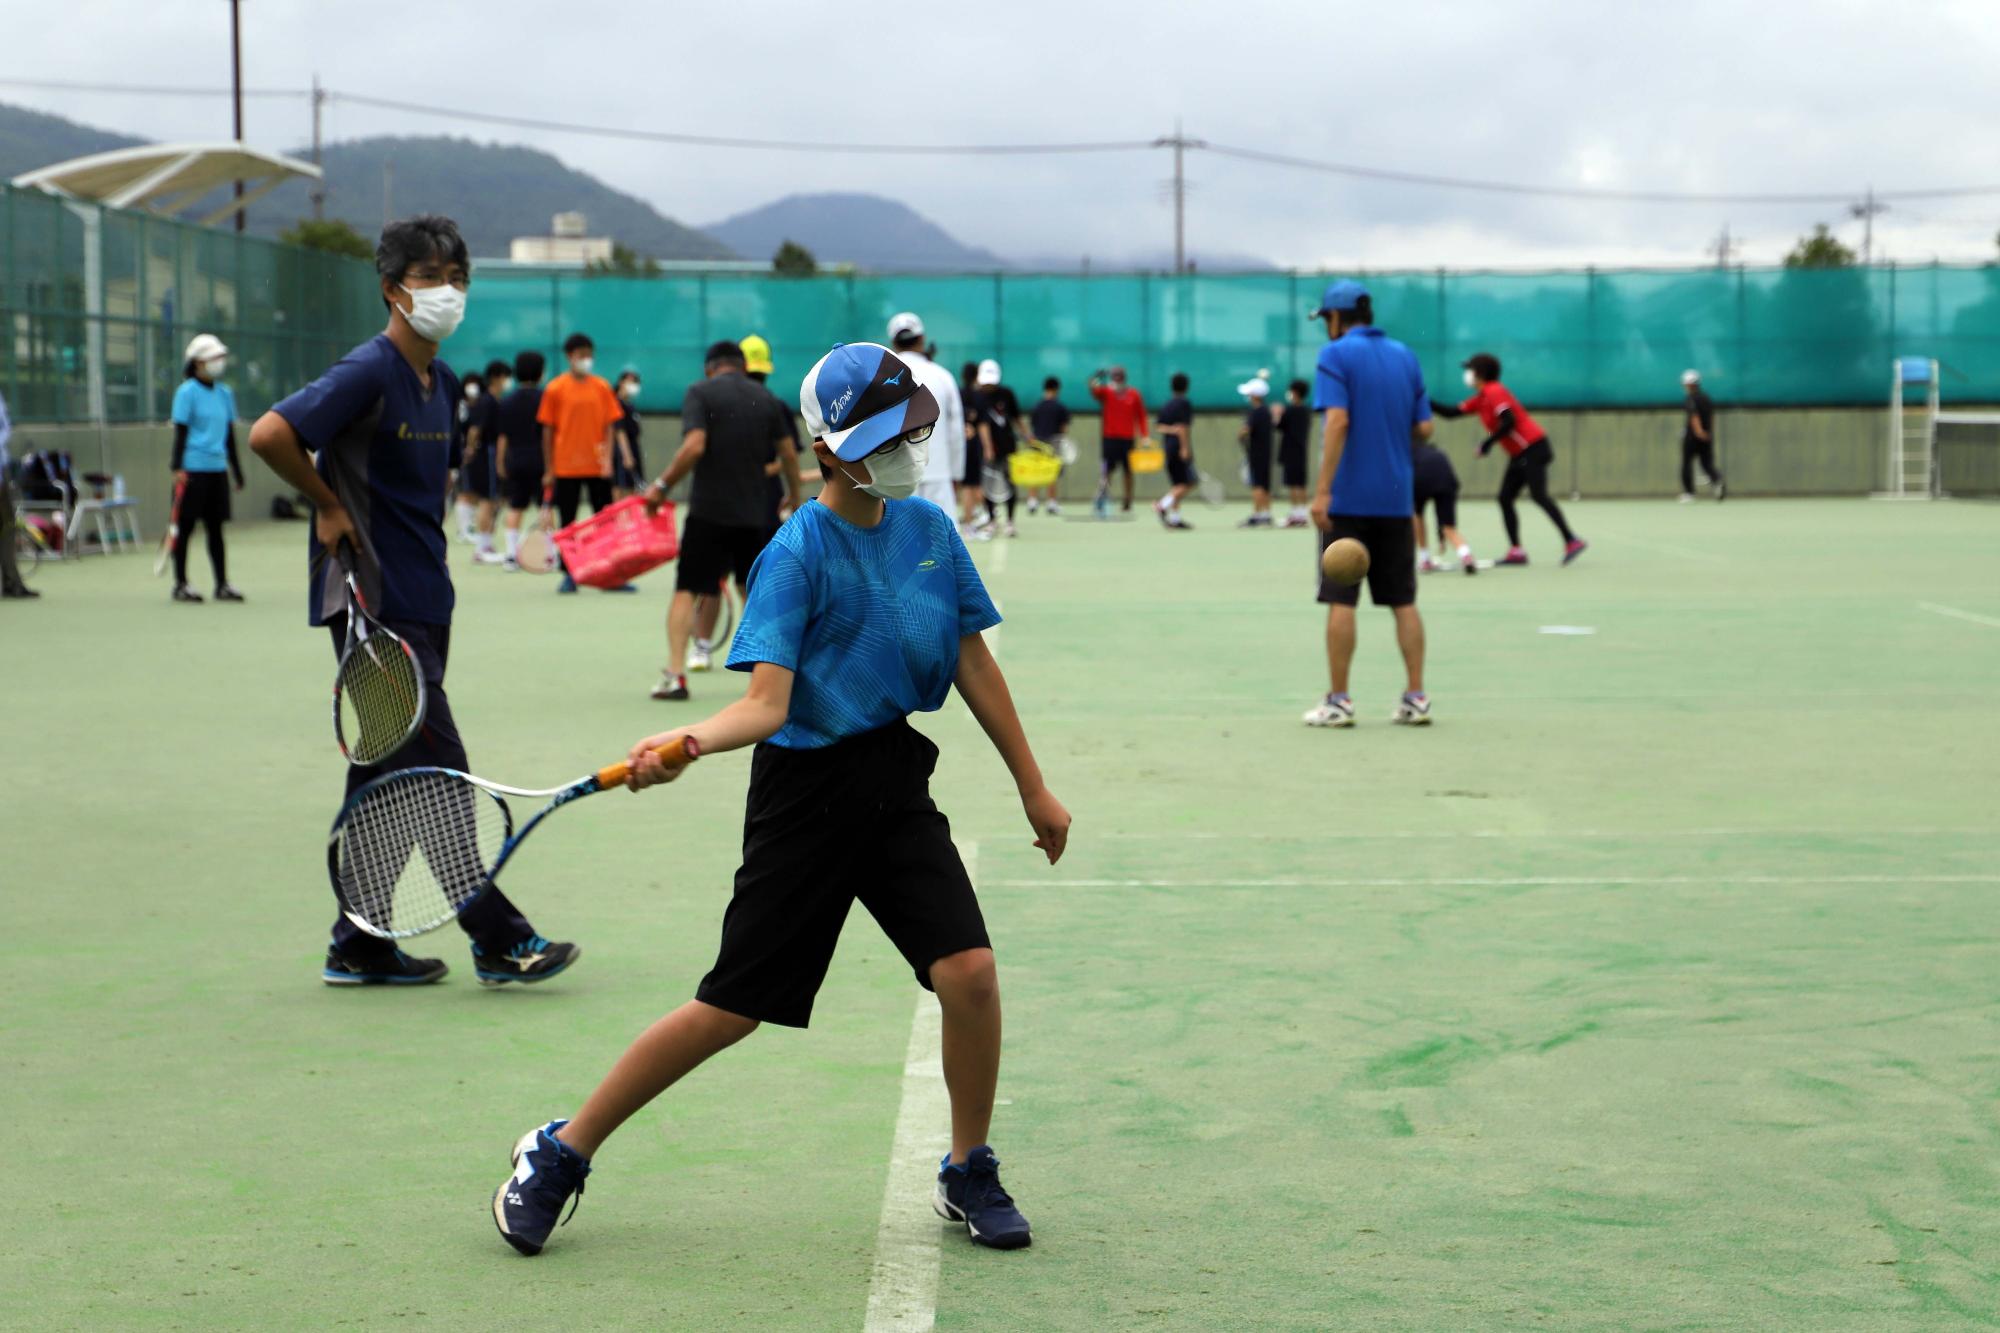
{"x": 369, "y": 443}
{"x": 1371, "y": 392}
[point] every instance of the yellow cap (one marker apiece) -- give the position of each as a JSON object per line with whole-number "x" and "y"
{"x": 756, "y": 355}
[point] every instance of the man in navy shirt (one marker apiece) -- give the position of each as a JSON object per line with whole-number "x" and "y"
{"x": 378, "y": 426}
{"x": 1371, "y": 391}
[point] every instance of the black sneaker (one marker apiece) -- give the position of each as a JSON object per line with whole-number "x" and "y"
{"x": 227, "y": 594}
{"x": 533, "y": 959}
{"x": 393, "y": 969}
{"x": 547, "y": 1172}
{"x": 971, "y": 1194}
{"x": 183, "y": 593}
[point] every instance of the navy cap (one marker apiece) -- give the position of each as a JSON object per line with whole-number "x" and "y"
{"x": 860, "y": 396}
{"x": 1342, "y": 295}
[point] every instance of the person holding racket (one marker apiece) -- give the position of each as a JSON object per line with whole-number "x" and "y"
{"x": 370, "y": 444}
{"x": 1000, "y": 428}
{"x": 865, "y": 608}
{"x": 204, "y": 463}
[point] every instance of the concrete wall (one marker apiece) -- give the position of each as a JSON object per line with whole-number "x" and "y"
{"x": 1788, "y": 451}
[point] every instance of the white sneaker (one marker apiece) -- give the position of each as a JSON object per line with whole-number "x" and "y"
{"x": 700, "y": 656}
{"x": 982, "y": 533}
{"x": 1427, "y": 563}
{"x": 488, "y": 558}
{"x": 1034, "y": 505}
{"x": 1013, "y": 531}
{"x": 1055, "y": 510}
{"x": 1332, "y": 711}
{"x": 509, "y": 565}
{"x": 1686, "y": 499}
{"x": 1413, "y": 710}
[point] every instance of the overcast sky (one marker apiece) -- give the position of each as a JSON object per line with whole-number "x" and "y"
{"x": 1779, "y": 95}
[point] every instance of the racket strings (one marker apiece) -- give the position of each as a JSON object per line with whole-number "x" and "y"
{"x": 381, "y": 699}
{"x": 416, "y": 848}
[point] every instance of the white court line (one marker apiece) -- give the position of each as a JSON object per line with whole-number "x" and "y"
{"x": 1475, "y": 882}
{"x": 1549, "y": 835}
{"x": 1957, "y": 614}
{"x": 1002, "y": 546}
{"x": 902, "y": 1295}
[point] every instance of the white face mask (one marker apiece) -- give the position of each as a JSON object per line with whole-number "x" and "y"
{"x": 435, "y": 312}
{"x": 894, "y": 474}
{"x": 471, "y": 392}
{"x": 1471, "y": 380}
{"x": 216, "y": 367}
{"x": 629, "y": 392}
{"x": 583, "y": 364}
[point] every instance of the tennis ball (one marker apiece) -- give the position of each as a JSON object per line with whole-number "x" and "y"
{"x": 1344, "y": 561}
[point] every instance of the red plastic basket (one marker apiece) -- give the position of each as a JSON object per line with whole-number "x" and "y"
{"x": 619, "y": 543}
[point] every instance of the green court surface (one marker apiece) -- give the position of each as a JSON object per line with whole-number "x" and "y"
{"x": 1652, "y": 987}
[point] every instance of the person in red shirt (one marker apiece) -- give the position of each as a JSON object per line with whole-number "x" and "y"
{"x": 1528, "y": 453}
{"x": 1124, "y": 422}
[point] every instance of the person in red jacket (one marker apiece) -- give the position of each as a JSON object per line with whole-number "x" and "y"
{"x": 1528, "y": 453}
{"x": 1124, "y": 422}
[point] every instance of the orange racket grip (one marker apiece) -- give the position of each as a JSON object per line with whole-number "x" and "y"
{"x": 676, "y": 754}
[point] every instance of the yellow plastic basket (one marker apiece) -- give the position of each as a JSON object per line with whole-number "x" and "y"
{"x": 1034, "y": 467}
{"x": 1148, "y": 458}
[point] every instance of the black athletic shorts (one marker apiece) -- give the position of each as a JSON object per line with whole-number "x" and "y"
{"x": 823, "y": 828}
{"x": 711, "y": 552}
{"x": 975, "y": 459}
{"x": 1180, "y": 466}
{"x": 1292, "y": 463}
{"x": 1446, "y": 503}
{"x": 1259, "y": 460}
{"x": 477, "y": 476}
{"x": 629, "y": 478}
{"x": 523, "y": 488}
{"x": 1392, "y": 560}
{"x": 206, "y": 497}
{"x": 1117, "y": 452}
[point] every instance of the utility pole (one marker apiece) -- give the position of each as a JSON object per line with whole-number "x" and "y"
{"x": 1724, "y": 248}
{"x": 1180, "y": 143}
{"x": 1866, "y": 211}
{"x": 319, "y": 186}
{"x": 388, "y": 188}
{"x": 236, "y": 87}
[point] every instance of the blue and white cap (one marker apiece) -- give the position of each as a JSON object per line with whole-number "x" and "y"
{"x": 1342, "y": 295}
{"x": 860, "y": 396}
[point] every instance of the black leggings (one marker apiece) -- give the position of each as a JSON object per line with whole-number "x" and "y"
{"x": 205, "y": 501}
{"x": 1693, "y": 451}
{"x": 1530, "y": 468}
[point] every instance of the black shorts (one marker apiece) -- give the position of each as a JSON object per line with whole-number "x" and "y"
{"x": 823, "y": 828}
{"x": 975, "y": 459}
{"x": 477, "y": 476}
{"x": 1392, "y": 560}
{"x": 1180, "y": 467}
{"x": 1117, "y": 453}
{"x": 629, "y": 478}
{"x": 1259, "y": 459}
{"x": 1446, "y": 503}
{"x": 523, "y": 485}
{"x": 711, "y": 552}
{"x": 1292, "y": 463}
{"x": 206, "y": 498}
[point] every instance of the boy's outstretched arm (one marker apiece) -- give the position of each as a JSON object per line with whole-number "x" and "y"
{"x": 984, "y": 690}
{"x": 757, "y": 716}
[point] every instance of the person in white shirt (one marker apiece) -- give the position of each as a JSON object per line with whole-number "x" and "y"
{"x": 946, "y": 464}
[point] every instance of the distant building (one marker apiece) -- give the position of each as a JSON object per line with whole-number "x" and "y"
{"x": 566, "y": 245}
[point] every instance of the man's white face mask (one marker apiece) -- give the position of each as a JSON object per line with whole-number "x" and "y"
{"x": 1471, "y": 380}
{"x": 435, "y": 312}
{"x": 895, "y": 471}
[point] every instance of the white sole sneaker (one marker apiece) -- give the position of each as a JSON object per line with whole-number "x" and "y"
{"x": 1327, "y": 714}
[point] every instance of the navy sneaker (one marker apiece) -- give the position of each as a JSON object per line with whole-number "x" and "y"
{"x": 395, "y": 968}
{"x": 568, "y": 584}
{"x": 528, "y": 1205}
{"x": 533, "y": 959}
{"x": 972, "y": 1194}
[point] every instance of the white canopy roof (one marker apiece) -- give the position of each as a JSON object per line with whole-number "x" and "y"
{"x": 167, "y": 178}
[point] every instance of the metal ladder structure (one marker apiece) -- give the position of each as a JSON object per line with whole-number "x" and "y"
{"x": 1912, "y": 470}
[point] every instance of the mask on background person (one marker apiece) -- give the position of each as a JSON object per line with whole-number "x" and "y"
{"x": 215, "y": 367}
{"x": 471, "y": 392}
{"x": 435, "y": 312}
{"x": 894, "y": 473}
{"x": 629, "y": 391}
{"x": 583, "y": 364}
{"x": 1471, "y": 380}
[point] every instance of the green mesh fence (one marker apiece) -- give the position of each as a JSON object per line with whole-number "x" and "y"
{"x": 97, "y": 305}
{"x": 1571, "y": 339}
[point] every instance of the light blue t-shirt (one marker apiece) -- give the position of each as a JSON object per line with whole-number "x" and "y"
{"x": 868, "y": 619}
{"x": 207, "y": 411}
{"x": 1380, "y": 385}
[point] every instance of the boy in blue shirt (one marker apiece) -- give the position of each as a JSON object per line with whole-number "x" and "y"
{"x": 864, "y": 608}
{"x": 370, "y": 443}
{"x": 204, "y": 417}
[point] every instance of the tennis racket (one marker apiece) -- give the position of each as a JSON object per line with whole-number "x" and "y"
{"x": 1210, "y": 488}
{"x": 378, "y": 691}
{"x": 538, "y": 549}
{"x": 173, "y": 532}
{"x": 414, "y": 848}
{"x": 994, "y": 482}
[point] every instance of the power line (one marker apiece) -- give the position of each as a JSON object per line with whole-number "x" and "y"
{"x": 146, "y": 89}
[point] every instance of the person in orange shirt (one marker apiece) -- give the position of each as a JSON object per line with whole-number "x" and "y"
{"x": 578, "y": 414}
